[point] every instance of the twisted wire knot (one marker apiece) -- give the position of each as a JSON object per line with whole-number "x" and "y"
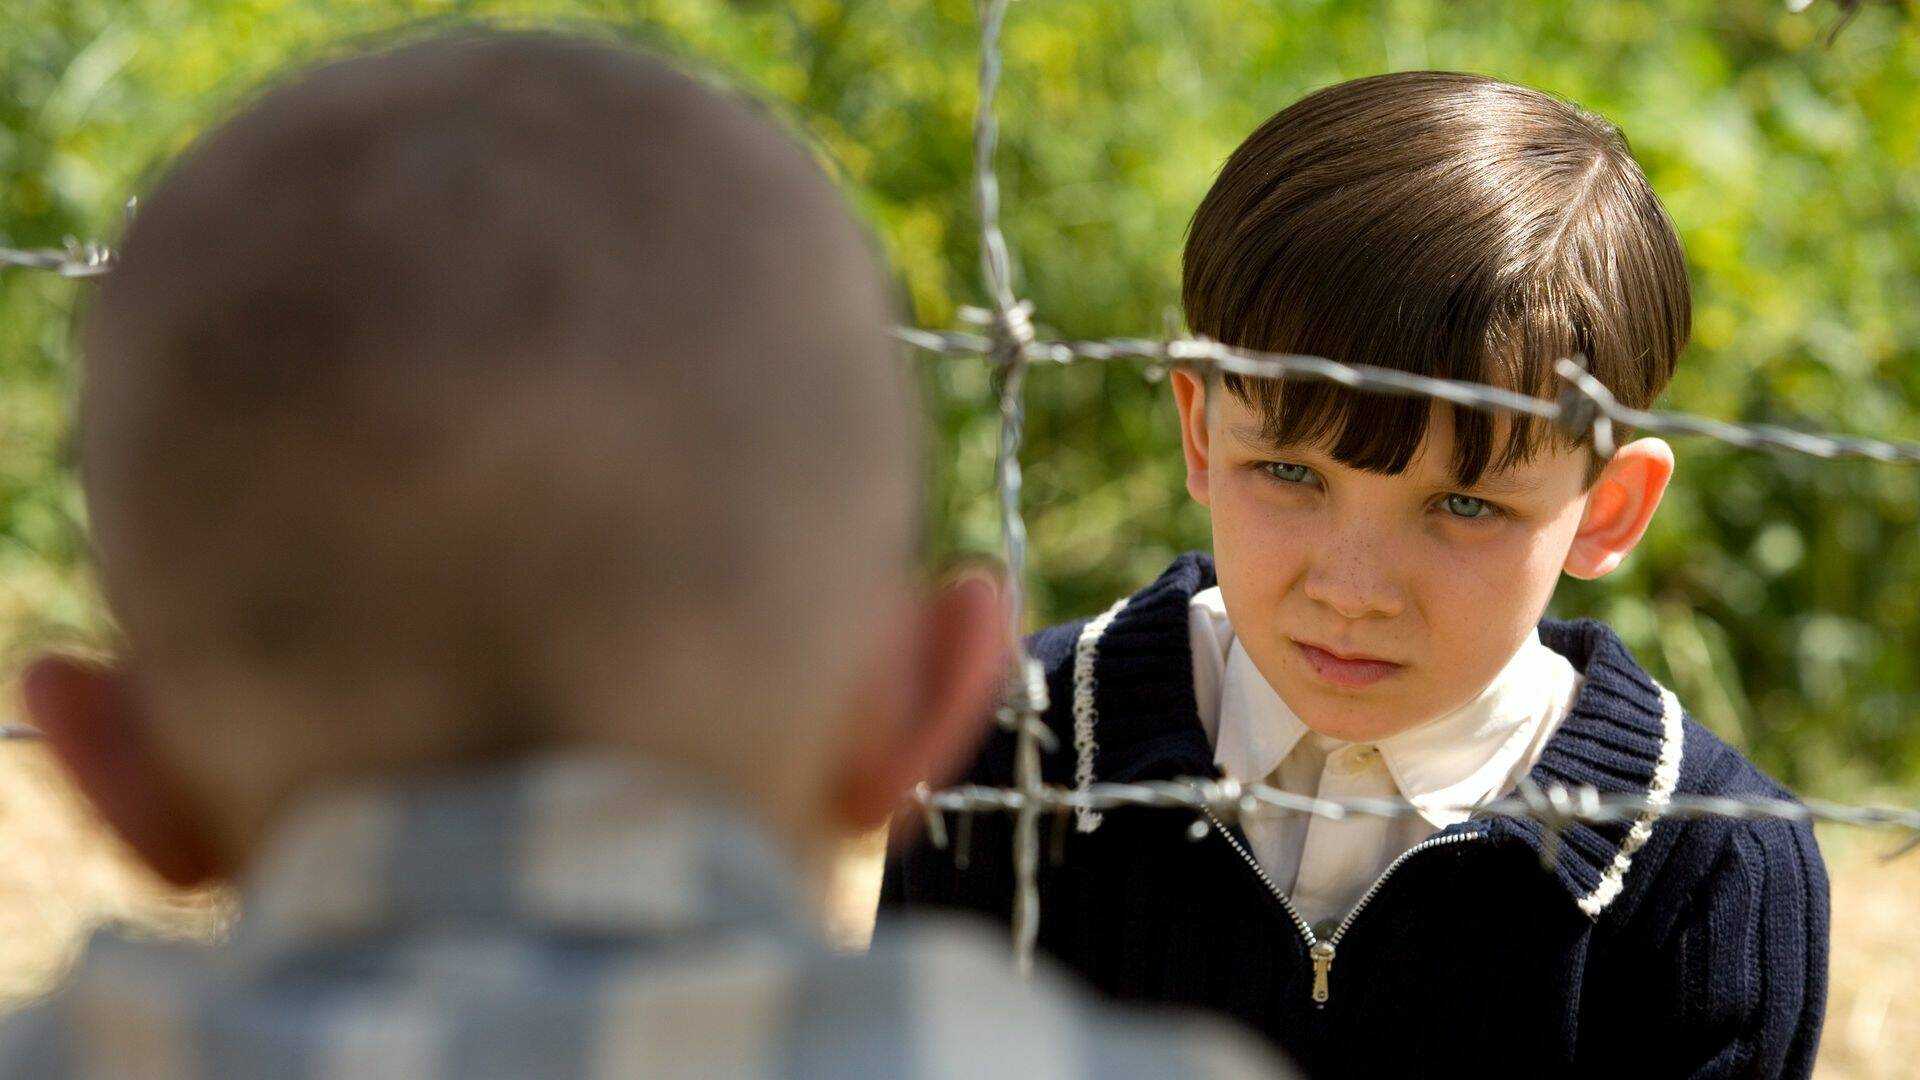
{"x": 1585, "y": 405}
{"x": 1556, "y": 808}
{"x": 1010, "y": 332}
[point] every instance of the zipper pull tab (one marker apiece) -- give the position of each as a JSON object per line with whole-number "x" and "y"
{"x": 1322, "y": 953}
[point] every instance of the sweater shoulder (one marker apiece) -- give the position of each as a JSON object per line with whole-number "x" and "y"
{"x": 1712, "y": 768}
{"x": 1053, "y": 646}
{"x": 1693, "y": 857}
{"x": 1135, "y": 652}
{"x": 1155, "y": 616}
{"x": 1626, "y": 733}
{"x": 1056, "y": 650}
{"x": 1728, "y": 926}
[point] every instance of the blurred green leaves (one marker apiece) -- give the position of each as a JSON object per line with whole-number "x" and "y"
{"x": 1779, "y": 597}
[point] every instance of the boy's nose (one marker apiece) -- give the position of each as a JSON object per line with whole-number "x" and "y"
{"x": 1354, "y": 582}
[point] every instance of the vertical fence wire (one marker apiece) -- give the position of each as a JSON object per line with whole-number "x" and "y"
{"x": 1010, "y": 333}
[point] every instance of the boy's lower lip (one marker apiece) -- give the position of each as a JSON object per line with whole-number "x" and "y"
{"x": 1348, "y": 673}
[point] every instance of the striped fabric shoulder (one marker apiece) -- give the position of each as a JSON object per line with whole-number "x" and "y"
{"x": 1666, "y": 776}
{"x": 1086, "y": 653}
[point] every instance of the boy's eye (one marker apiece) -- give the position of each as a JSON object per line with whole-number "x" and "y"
{"x": 1290, "y": 473}
{"x": 1466, "y": 506}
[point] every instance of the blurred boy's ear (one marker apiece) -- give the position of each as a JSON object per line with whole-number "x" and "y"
{"x": 90, "y": 718}
{"x": 930, "y": 721}
{"x": 1619, "y": 506}
{"x": 1190, "y": 395}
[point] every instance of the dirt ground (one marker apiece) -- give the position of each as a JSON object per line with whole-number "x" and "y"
{"x": 61, "y": 876}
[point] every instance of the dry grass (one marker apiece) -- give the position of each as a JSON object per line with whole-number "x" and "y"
{"x": 1873, "y": 1012}
{"x": 61, "y": 876}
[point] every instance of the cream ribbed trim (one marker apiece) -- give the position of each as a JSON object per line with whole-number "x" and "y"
{"x": 1085, "y": 651}
{"x": 1666, "y": 776}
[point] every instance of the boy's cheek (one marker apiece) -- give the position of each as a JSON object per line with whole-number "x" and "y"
{"x": 1251, "y": 523}
{"x": 1257, "y": 559}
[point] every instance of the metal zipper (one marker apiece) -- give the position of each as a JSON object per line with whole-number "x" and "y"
{"x": 1322, "y": 951}
{"x": 1261, "y": 873}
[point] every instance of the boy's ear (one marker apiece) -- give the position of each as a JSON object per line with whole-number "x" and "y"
{"x": 1190, "y": 395}
{"x": 938, "y": 711}
{"x": 1619, "y": 507}
{"x": 90, "y": 718}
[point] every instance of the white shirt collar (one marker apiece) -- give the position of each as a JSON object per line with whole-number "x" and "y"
{"x": 1459, "y": 759}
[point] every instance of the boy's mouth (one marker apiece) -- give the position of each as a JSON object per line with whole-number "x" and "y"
{"x": 1351, "y": 670}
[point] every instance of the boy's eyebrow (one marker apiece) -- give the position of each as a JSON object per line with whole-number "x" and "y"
{"x": 1503, "y": 483}
{"x": 1253, "y": 437}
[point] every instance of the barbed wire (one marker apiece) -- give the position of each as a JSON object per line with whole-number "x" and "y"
{"x": 1007, "y": 339}
{"x": 75, "y": 260}
{"x": 1554, "y": 807}
{"x": 1585, "y": 407}
{"x": 1009, "y": 346}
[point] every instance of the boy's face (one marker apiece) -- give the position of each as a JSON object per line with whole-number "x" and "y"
{"x": 1375, "y": 603}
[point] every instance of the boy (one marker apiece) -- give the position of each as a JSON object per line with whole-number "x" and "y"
{"x": 501, "y": 471}
{"x": 1370, "y": 625}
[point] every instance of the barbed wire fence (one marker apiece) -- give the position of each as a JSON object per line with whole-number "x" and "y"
{"x": 1584, "y": 408}
{"x": 1004, "y": 335}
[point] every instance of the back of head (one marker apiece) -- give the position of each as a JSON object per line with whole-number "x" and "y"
{"x": 1444, "y": 224}
{"x": 486, "y": 393}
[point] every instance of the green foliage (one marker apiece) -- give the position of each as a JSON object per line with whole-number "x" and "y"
{"x": 1780, "y": 597}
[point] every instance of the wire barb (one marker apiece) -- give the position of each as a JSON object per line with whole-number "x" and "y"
{"x": 74, "y": 260}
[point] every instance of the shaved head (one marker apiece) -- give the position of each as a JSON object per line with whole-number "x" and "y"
{"x": 491, "y": 392}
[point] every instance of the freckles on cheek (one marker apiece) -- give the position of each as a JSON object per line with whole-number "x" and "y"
{"x": 1517, "y": 578}
{"x": 1482, "y": 574}
{"x": 1255, "y": 544}
{"x": 1262, "y": 528}
{"x": 1238, "y": 520}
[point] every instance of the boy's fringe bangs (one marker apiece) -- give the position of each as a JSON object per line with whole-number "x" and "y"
{"x": 1515, "y": 349}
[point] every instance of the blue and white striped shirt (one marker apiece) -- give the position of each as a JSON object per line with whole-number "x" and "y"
{"x": 567, "y": 918}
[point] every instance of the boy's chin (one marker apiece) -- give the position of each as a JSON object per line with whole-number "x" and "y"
{"x": 1360, "y": 718}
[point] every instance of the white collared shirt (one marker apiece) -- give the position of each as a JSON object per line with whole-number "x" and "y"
{"x": 1471, "y": 755}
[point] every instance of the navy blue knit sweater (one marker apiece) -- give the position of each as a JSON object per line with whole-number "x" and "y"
{"x": 1683, "y": 949}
